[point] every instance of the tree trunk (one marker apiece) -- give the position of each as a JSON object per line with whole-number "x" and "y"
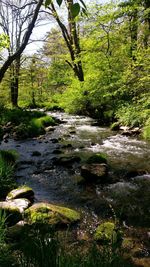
{"x": 71, "y": 37}
{"x": 134, "y": 33}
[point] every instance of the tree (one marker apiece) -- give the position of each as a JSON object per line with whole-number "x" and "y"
{"x": 25, "y": 38}
{"x": 70, "y": 34}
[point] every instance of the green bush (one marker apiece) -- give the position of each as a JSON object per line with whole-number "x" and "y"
{"x": 146, "y": 130}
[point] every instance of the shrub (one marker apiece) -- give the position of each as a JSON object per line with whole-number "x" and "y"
{"x": 146, "y": 130}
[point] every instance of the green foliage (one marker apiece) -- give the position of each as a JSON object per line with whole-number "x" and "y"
{"x": 146, "y": 130}
{"x": 33, "y": 127}
{"x": 7, "y": 161}
{"x": 4, "y": 41}
{"x": 45, "y": 247}
{"x": 2, "y": 227}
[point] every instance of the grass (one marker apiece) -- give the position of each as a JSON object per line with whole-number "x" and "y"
{"x": 25, "y": 123}
{"x": 40, "y": 248}
{"x": 7, "y": 166}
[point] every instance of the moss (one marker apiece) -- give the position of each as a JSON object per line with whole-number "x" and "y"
{"x": 51, "y": 214}
{"x": 21, "y": 192}
{"x": 97, "y": 158}
{"x": 106, "y": 233}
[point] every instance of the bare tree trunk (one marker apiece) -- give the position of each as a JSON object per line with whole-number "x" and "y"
{"x": 25, "y": 40}
{"x": 14, "y": 82}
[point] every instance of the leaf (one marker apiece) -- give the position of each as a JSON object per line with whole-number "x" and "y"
{"x": 59, "y": 2}
{"x": 75, "y": 9}
{"x": 47, "y": 3}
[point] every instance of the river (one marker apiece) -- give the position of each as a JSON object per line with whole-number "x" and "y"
{"x": 80, "y": 136}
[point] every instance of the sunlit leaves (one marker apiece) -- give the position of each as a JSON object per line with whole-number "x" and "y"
{"x": 4, "y": 41}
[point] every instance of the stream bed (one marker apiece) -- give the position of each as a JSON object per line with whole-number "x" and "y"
{"x": 79, "y": 137}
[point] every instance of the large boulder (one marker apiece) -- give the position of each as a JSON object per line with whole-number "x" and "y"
{"x": 51, "y": 214}
{"x": 21, "y": 192}
{"x": 10, "y": 212}
{"x": 95, "y": 172}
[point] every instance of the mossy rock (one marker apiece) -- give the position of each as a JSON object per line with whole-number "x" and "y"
{"x": 97, "y": 158}
{"x": 107, "y": 233}
{"x": 21, "y": 203}
{"x": 11, "y": 212}
{"x": 21, "y": 192}
{"x": 51, "y": 214}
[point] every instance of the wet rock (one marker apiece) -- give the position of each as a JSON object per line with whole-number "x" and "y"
{"x": 95, "y": 172}
{"x": 134, "y": 173}
{"x": 21, "y": 192}
{"x": 66, "y": 161}
{"x": 8, "y": 127}
{"x": 127, "y": 131}
{"x": 11, "y": 211}
{"x": 72, "y": 132}
{"x": 51, "y": 214}
{"x": 57, "y": 151}
{"x": 5, "y": 137}
{"x": 26, "y": 162}
{"x": 49, "y": 129}
{"x": 36, "y": 154}
{"x": 21, "y": 203}
{"x": 67, "y": 146}
{"x": 54, "y": 140}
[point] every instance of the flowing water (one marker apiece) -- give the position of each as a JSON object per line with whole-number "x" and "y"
{"x": 79, "y": 136}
